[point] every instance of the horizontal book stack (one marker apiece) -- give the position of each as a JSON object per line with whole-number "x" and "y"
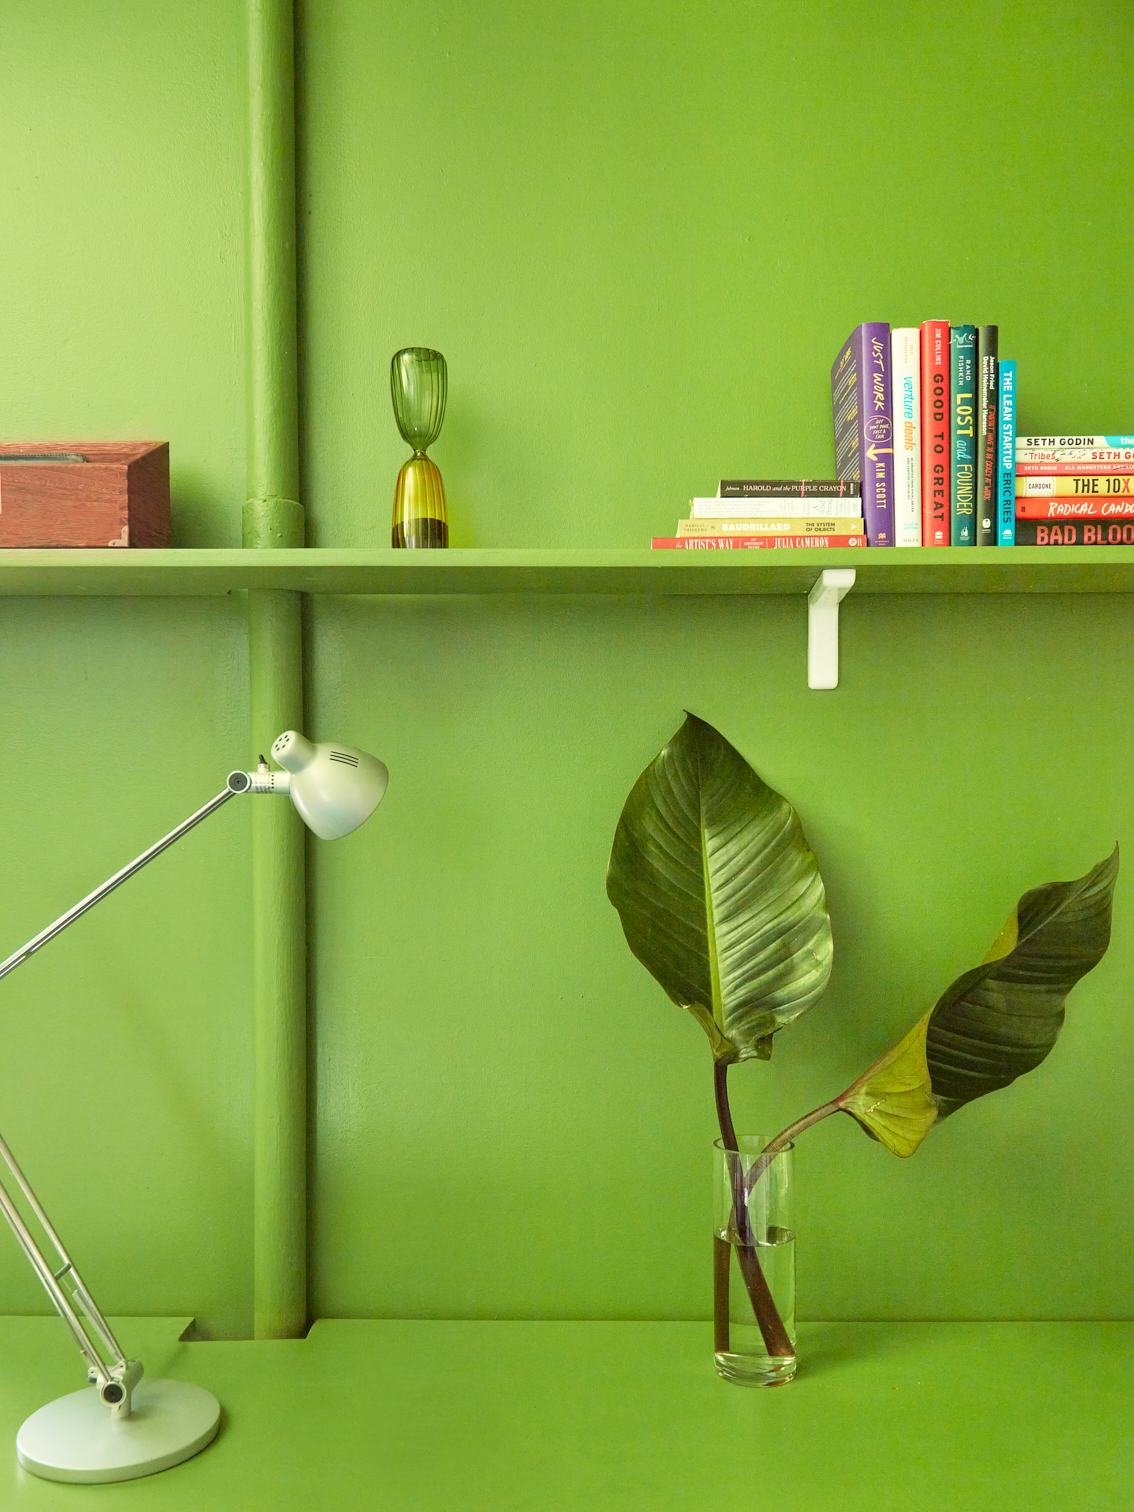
{"x": 766, "y": 513}
{"x": 924, "y": 420}
{"x": 1075, "y": 491}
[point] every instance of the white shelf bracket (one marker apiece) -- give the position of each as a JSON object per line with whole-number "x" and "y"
{"x": 831, "y": 587}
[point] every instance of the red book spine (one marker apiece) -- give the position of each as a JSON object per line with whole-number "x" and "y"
{"x": 750, "y": 543}
{"x": 1070, "y": 469}
{"x": 935, "y": 433}
{"x": 1067, "y": 507}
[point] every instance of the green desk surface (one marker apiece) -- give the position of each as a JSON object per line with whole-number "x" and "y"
{"x": 959, "y": 1417}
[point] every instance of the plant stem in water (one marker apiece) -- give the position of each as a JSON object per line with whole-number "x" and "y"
{"x": 722, "y": 1264}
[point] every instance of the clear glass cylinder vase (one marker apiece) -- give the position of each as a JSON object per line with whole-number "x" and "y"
{"x": 753, "y": 1263}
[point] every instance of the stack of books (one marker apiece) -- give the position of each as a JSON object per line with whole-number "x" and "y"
{"x": 1075, "y": 491}
{"x": 926, "y": 454}
{"x": 772, "y": 512}
{"x": 925, "y": 419}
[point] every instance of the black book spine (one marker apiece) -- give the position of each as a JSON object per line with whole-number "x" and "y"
{"x": 1108, "y": 532}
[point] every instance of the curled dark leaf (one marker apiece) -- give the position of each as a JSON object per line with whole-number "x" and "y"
{"x": 1002, "y": 1018}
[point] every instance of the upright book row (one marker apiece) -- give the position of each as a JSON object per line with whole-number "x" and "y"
{"x": 926, "y": 419}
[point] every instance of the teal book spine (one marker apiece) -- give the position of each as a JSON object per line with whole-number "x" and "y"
{"x": 962, "y": 434}
{"x": 1006, "y": 472}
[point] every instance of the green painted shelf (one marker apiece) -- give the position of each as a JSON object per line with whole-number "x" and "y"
{"x": 1022, "y": 569}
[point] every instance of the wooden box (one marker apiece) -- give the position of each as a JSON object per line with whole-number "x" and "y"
{"x": 118, "y": 496}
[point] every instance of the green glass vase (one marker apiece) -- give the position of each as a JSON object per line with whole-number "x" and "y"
{"x": 419, "y": 384}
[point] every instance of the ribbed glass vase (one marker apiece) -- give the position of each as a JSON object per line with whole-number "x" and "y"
{"x": 419, "y": 384}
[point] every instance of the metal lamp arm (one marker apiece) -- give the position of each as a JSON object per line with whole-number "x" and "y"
{"x": 106, "y": 1362}
{"x": 107, "y": 1366}
{"x": 20, "y": 956}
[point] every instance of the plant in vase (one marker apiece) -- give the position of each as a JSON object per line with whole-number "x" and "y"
{"x": 721, "y": 899}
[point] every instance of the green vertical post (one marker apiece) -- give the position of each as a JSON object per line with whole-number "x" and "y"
{"x": 273, "y": 517}
{"x": 279, "y": 973}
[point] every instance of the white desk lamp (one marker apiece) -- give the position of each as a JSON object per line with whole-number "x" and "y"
{"x": 121, "y": 1427}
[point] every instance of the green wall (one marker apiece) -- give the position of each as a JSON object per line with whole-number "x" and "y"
{"x": 639, "y": 235}
{"x": 513, "y": 1118}
{"x": 121, "y": 170}
{"x": 641, "y": 232}
{"x": 125, "y": 1077}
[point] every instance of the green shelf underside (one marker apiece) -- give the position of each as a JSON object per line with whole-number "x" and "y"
{"x": 616, "y": 1417}
{"x": 1021, "y": 569}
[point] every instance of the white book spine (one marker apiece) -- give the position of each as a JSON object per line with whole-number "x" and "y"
{"x": 1096, "y": 455}
{"x": 905, "y": 346}
{"x": 788, "y": 506}
{"x": 1060, "y": 443}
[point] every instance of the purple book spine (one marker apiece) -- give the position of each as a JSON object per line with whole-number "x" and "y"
{"x": 864, "y": 424}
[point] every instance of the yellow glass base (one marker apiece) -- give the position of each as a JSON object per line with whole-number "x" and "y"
{"x": 420, "y": 516}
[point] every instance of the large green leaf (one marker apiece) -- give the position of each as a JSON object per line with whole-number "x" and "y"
{"x": 719, "y": 893}
{"x": 1002, "y": 1018}
{"x": 994, "y": 1022}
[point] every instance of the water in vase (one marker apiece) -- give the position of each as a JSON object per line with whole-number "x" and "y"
{"x": 740, "y": 1354}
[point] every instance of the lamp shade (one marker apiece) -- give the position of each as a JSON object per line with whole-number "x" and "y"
{"x": 334, "y": 787}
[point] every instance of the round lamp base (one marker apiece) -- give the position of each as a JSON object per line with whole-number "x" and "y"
{"x": 76, "y": 1439}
